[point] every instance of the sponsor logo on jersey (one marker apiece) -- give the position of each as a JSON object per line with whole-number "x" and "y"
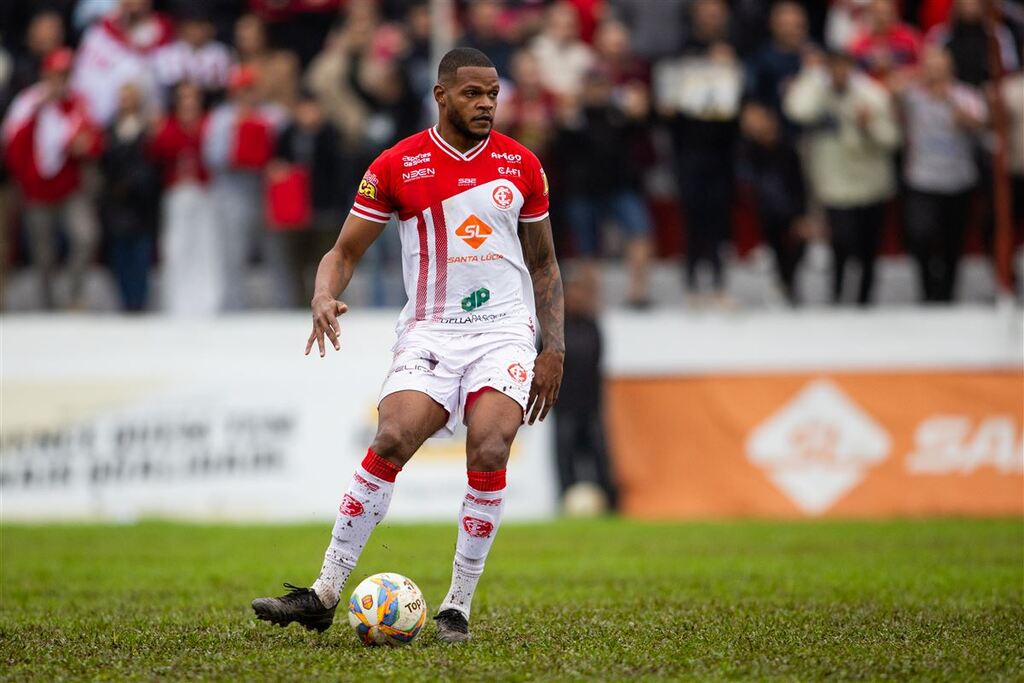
{"x": 368, "y": 185}
{"x": 518, "y": 373}
{"x": 476, "y": 299}
{"x": 544, "y": 177}
{"x": 503, "y": 197}
{"x": 510, "y": 158}
{"x": 475, "y": 258}
{"x": 474, "y": 231}
{"x": 367, "y": 601}
{"x": 350, "y": 507}
{"x": 467, "y": 182}
{"x": 418, "y": 174}
{"x": 473, "y": 318}
{"x": 508, "y": 170}
{"x": 480, "y": 528}
{"x": 416, "y": 159}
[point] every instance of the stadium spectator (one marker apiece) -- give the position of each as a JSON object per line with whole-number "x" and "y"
{"x": 580, "y": 444}
{"x": 192, "y": 280}
{"x": 700, "y": 94}
{"x": 309, "y": 172}
{"x": 656, "y": 29}
{"x": 884, "y": 44}
{"x": 770, "y": 71}
{"x": 966, "y": 37}
{"x": 526, "y": 114}
{"x": 942, "y": 118}
{"x": 853, "y": 134}
{"x": 117, "y": 50}
{"x": 566, "y": 58}
{"x": 47, "y": 136}
{"x": 603, "y": 180}
{"x": 614, "y": 54}
{"x": 772, "y": 168}
{"x": 45, "y": 34}
{"x": 237, "y": 146}
{"x": 485, "y": 33}
{"x": 844, "y": 21}
{"x": 130, "y": 198}
{"x": 278, "y": 70}
{"x": 195, "y": 56}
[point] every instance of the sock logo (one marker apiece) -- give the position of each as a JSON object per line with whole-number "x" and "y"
{"x": 476, "y": 299}
{"x": 368, "y": 485}
{"x": 479, "y": 528}
{"x": 350, "y": 507}
{"x": 487, "y": 502}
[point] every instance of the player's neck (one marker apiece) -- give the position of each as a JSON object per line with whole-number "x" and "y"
{"x": 456, "y": 139}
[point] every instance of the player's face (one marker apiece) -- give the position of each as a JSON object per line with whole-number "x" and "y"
{"x": 471, "y": 100}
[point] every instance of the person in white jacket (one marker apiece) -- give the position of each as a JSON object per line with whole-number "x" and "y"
{"x": 852, "y": 134}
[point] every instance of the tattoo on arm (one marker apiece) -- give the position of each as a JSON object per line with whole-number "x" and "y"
{"x": 539, "y": 251}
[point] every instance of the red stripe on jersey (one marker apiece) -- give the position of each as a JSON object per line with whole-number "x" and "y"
{"x": 441, "y": 262}
{"x": 421, "y": 283}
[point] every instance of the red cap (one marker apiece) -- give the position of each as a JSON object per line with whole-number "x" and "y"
{"x": 242, "y": 76}
{"x": 58, "y": 60}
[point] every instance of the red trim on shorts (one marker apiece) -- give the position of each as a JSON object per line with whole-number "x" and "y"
{"x": 421, "y": 282}
{"x": 487, "y": 481}
{"x": 441, "y": 260}
{"x": 379, "y": 467}
{"x": 472, "y": 396}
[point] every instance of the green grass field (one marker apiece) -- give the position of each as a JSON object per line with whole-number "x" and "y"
{"x": 603, "y": 600}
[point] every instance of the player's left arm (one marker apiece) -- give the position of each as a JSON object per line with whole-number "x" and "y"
{"x": 539, "y": 251}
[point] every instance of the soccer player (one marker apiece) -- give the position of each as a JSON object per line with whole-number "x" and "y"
{"x": 479, "y": 267}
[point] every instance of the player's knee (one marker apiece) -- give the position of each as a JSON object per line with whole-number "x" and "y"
{"x": 392, "y": 444}
{"x": 487, "y": 453}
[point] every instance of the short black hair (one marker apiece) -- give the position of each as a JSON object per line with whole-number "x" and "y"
{"x": 458, "y": 58}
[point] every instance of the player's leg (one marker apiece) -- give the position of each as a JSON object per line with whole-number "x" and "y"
{"x": 406, "y": 420}
{"x": 493, "y": 420}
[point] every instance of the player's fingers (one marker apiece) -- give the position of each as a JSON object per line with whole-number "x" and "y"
{"x": 320, "y": 341}
{"x": 332, "y": 334}
{"x": 312, "y": 337}
{"x": 548, "y": 403}
{"x": 537, "y": 406}
{"x": 340, "y": 308}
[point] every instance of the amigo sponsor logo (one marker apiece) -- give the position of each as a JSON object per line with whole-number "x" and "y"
{"x": 416, "y": 159}
{"x": 418, "y": 174}
{"x": 509, "y": 171}
{"x": 509, "y": 158}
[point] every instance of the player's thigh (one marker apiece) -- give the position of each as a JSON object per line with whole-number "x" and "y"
{"x": 405, "y": 420}
{"x": 493, "y": 422}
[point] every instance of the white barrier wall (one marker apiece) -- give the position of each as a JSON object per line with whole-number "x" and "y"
{"x": 117, "y": 418}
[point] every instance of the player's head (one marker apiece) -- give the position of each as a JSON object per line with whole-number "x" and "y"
{"x": 467, "y": 91}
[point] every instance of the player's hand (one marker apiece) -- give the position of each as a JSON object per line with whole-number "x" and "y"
{"x": 547, "y": 379}
{"x": 325, "y": 321}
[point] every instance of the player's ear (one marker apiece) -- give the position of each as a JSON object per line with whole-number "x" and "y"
{"x": 438, "y": 93}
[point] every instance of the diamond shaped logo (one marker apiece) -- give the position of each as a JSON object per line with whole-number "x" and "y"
{"x": 818, "y": 446}
{"x": 473, "y": 231}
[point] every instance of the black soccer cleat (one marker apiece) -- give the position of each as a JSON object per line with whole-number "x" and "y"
{"x": 452, "y": 626}
{"x": 299, "y": 604}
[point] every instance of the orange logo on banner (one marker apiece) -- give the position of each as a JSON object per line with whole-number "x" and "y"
{"x": 473, "y": 231}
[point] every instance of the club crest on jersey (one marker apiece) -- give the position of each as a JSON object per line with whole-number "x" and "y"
{"x": 503, "y": 197}
{"x": 474, "y": 231}
{"x": 480, "y": 528}
{"x": 368, "y": 185}
{"x": 350, "y": 507}
{"x": 518, "y": 373}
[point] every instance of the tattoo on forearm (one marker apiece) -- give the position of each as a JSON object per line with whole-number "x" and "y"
{"x": 539, "y": 251}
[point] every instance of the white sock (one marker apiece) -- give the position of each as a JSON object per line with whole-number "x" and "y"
{"x": 362, "y": 507}
{"x": 478, "y": 524}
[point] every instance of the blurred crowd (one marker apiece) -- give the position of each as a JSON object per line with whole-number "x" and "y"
{"x": 193, "y": 141}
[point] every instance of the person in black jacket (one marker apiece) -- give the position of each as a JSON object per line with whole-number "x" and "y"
{"x": 580, "y": 446}
{"x": 130, "y": 200}
{"x": 312, "y": 142}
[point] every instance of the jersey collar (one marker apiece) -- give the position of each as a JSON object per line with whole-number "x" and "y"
{"x": 469, "y": 155}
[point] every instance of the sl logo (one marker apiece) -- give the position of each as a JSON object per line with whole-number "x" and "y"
{"x": 473, "y": 231}
{"x": 476, "y": 299}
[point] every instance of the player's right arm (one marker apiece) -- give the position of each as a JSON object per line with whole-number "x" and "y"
{"x": 333, "y": 275}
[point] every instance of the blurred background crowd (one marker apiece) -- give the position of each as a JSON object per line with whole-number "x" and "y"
{"x": 198, "y": 157}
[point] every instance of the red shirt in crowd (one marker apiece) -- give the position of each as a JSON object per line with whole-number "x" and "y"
{"x": 178, "y": 148}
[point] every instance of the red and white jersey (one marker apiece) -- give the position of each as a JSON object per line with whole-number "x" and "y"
{"x": 458, "y": 216}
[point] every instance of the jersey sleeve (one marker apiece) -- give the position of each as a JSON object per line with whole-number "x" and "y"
{"x": 374, "y": 197}
{"x": 535, "y": 208}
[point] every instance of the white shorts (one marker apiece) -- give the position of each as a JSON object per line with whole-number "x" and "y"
{"x": 449, "y": 366}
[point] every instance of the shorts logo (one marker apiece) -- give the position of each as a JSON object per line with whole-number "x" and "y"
{"x": 368, "y": 185}
{"x": 479, "y": 528}
{"x": 367, "y": 601}
{"x": 416, "y": 159}
{"x": 503, "y": 197}
{"x": 476, "y": 299}
{"x": 518, "y": 373}
{"x": 474, "y": 231}
{"x": 350, "y": 507}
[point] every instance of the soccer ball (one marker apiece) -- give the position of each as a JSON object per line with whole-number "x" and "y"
{"x": 387, "y": 609}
